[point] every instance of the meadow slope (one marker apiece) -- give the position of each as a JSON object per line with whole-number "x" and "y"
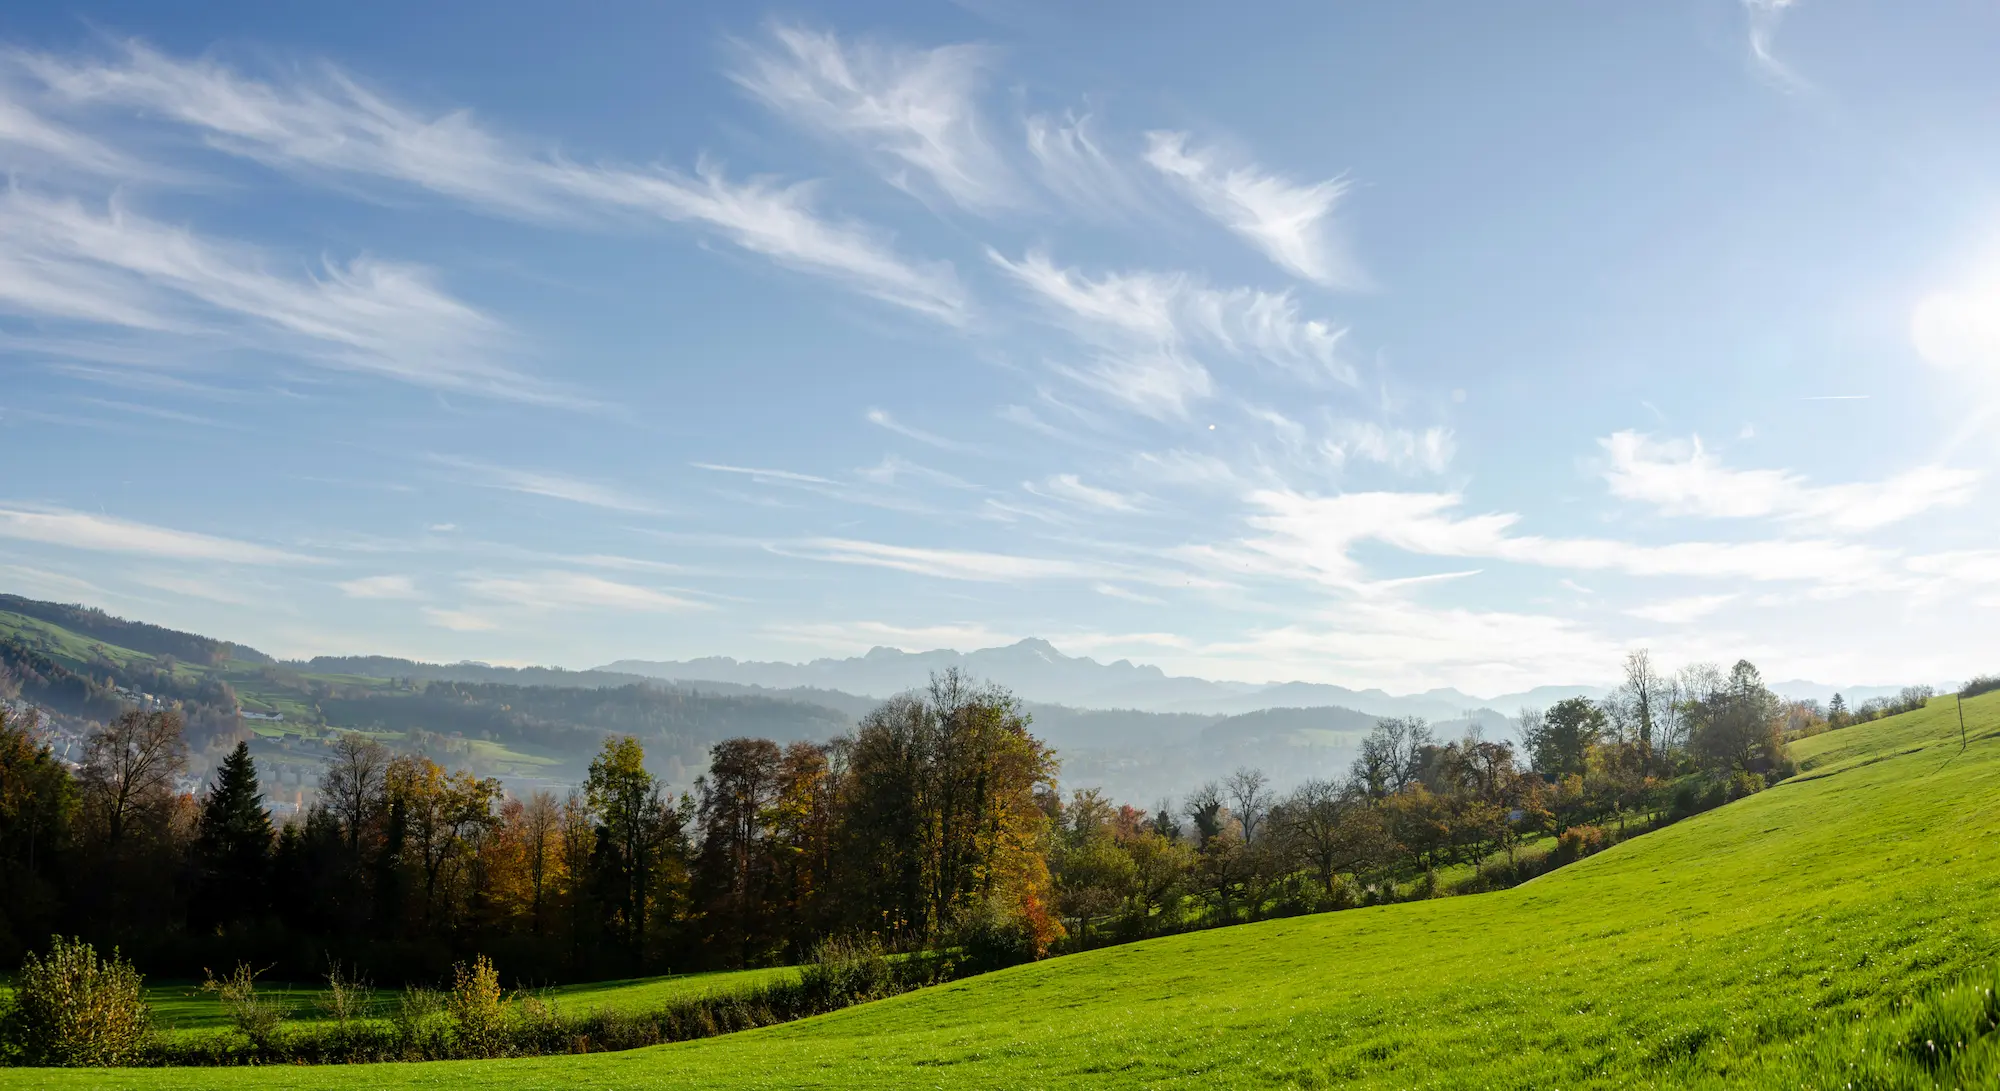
{"x": 1749, "y": 946}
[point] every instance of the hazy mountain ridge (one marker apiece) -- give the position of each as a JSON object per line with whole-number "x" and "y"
{"x": 1037, "y": 672}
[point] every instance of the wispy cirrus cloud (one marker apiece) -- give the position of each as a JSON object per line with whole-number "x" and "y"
{"x": 1681, "y": 477}
{"x": 63, "y": 260}
{"x": 1764, "y": 17}
{"x": 555, "y": 486}
{"x": 1071, "y": 162}
{"x": 105, "y": 534}
{"x": 1314, "y": 537}
{"x": 882, "y": 418}
{"x": 380, "y": 587}
{"x": 1071, "y": 489}
{"x": 559, "y": 590}
{"x": 1291, "y": 223}
{"x": 913, "y": 111}
{"x": 1149, "y": 331}
{"x": 326, "y": 121}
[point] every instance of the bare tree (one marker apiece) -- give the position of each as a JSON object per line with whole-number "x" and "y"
{"x": 1250, "y": 793}
{"x": 1640, "y": 701}
{"x": 353, "y": 782}
{"x": 541, "y": 823}
{"x": 129, "y": 766}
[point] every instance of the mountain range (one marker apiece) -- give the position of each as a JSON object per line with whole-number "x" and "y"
{"x": 1036, "y": 671}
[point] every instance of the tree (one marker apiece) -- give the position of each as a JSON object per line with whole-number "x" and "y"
{"x": 1204, "y": 809}
{"x": 129, "y": 769}
{"x": 1560, "y": 744}
{"x": 735, "y": 871}
{"x": 352, "y": 783}
{"x": 637, "y": 836}
{"x": 1336, "y": 831}
{"x": 37, "y": 807}
{"x": 1391, "y": 756}
{"x": 232, "y": 850}
{"x": 1836, "y": 712}
{"x": 1737, "y": 726}
{"x": 1250, "y": 792}
{"x": 941, "y": 813}
{"x": 1640, "y": 700}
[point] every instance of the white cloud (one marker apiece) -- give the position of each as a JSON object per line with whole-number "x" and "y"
{"x": 102, "y": 533}
{"x": 1430, "y": 450}
{"x": 1146, "y": 332}
{"x": 764, "y": 475}
{"x": 63, "y": 261}
{"x": 1681, "y": 611}
{"x": 893, "y": 469}
{"x": 555, "y": 590}
{"x": 1112, "y": 590}
{"x": 1291, "y": 223}
{"x": 1073, "y": 165}
{"x": 1764, "y": 17}
{"x": 913, "y": 110}
{"x": 23, "y": 133}
{"x": 380, "y": 587}
{"x": 1314, "y": 536}
{"x": 334, "y": 124}
{"x": 950, "y": 564}
{"x": 1070, "y": 488}
{"x": 541, "y": 483}
{"x": 882, "y": 419}
{"x": 460, "y": 621}
{"x": 1683, "y": 478}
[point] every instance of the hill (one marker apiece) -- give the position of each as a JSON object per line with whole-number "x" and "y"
{"x": 1789, "y": 939}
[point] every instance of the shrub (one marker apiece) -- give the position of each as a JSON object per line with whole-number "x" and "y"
{"x": 346, "y": 999}
{"x": 72, "y": 1008}
{"x": 1578, "y": 842}
{"x": 478, "y": 1007}
{"x": 420, "y": 1022}
{"x": 255, "y": 1017}
{"x": 844, "y": 972}
{"x": 1741, "y": 784}
{"x": 1985, "y": 683}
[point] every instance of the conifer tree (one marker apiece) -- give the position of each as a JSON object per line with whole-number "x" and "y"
{"x": 233, "y": 847}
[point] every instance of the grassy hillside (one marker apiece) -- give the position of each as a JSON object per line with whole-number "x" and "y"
{"x": 1773, "y": 942}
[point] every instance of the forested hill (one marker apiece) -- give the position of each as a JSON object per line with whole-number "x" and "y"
{"x": 151, "y": 640}
{"x": 82, "y": 664}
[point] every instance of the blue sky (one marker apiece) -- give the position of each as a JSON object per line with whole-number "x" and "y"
{"x": 1472, "y": 344}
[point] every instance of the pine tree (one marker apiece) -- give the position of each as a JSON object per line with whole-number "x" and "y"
{"x": 233, "y": 846}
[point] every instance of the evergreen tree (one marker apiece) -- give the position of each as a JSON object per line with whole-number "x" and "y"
{"x": 233, "y": 846}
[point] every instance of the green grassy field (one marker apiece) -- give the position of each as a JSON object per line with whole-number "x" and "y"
{"x": 1762, "y": 944}
{"x": 181, "y": 1008}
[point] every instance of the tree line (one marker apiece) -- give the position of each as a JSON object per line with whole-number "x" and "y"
{"x": 935, "y": 824}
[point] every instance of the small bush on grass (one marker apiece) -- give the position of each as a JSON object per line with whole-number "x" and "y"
{"x": 478, "y": 1008}
{"x": 1578, "y": 842}
{"x": 70, "y": 1007}
{"x": 257, "y": 1018}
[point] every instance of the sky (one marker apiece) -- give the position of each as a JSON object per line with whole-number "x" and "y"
{"x": 1376, "y": 344}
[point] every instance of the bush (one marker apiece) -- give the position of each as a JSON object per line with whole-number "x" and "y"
{"x": 71, "y": 1008}
{"x": 478, "y": 1007}
{"x": 1742, "y": 784}
{"x": 844, "y": 972}
{"x": 1985, "y": 683}
{"x": 257, "y": 1018}
{"x": 1578, "y": 842}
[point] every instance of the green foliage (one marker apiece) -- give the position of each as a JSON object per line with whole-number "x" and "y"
{"x": 1985, "y": 683}
{"x": 478, "y": 1007}
{"x": 257, "y": 1017}
{"x": 1560, "y": 742}
{"x": 70, "y": 1008}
